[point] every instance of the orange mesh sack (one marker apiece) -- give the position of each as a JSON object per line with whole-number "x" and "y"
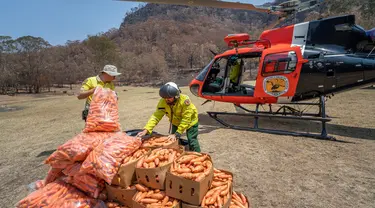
{"x": 58, "y": 194}
{"x": 104, "y": 161}
{"x": 88, "y": 184}
{"x": 103, "y": 112}
{"x": 76, "y": 149}
{"x": 82, "y": 202}
{"x": 52, "y": 175}
{"x": 46, "y": 196}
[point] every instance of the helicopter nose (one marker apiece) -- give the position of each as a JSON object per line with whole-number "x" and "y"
{"x": 195, "y": 87}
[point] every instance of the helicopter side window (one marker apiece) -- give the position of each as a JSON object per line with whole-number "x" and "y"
{"x": 280, "y": 63}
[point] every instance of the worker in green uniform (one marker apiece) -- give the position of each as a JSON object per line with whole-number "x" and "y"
{"x": 235, "y": 69}
{"x": 235, "y": 65}
{"x": 182, "y": 114}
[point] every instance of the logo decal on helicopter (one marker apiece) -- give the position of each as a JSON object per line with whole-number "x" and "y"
{"x": 275, "y": 85}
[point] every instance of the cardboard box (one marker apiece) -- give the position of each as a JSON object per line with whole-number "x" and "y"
{"x": 186, "y": 190}
{"x": 126, "y": 173}
{"x": 153, "y": 177}
{"x": 226, "y": 204}
{"x": 121, "y": 195}
{"x": 138, "y": 205}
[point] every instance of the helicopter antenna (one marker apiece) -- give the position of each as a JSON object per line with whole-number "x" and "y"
{"x": 213, "y": 52}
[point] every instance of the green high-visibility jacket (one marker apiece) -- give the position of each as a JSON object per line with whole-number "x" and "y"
{"x": 182, "y": 114}
{"x": 235, "y": 73}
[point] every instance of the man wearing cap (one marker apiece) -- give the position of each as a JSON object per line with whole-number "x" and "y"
{"x": 104, "y": 79}
{"x": 182, "y": 114}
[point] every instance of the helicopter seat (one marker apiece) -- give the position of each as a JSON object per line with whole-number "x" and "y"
{"x": 214, "y": 87}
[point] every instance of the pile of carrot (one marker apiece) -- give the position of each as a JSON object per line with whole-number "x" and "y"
{"x": 219, "y": 192}
{"x": 157, "y": 141}
{"x": 76, "y": 149}
{"x": 135, "y": 156}
{"x": 153, "y": 198}
{"x": 105, "y": 160}
{"x": 103, "y": 112}
{"x": 158, "y": 157}
{"x": 192, "y": 165}
{"x": 238, "y": 201}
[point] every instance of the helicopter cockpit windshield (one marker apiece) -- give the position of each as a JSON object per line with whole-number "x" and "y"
{"x": 228, "y": 74}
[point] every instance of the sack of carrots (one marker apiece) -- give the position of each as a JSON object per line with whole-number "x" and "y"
{"x": 56, "y": 194}
{"x": 105, "y": 160}
{"x": 146, "y": 197}
{"x": 52, "y": 175}
{"x": 89, "y": 184}
{"x": 103, "y": 112}
{"x": 72, "y": 170}
{"x": 76, "y": 149}
{"x": 83, "y": 202}
{"x": 220, "y": 193}
{"x": 36, "y": 185}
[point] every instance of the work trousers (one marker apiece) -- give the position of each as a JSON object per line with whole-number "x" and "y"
{"x": 192, "y": 136}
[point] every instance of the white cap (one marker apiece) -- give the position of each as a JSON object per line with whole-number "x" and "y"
{"x": 110, "y": 70}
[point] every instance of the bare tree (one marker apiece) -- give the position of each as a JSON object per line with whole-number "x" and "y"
{"x": 32, "y": 52}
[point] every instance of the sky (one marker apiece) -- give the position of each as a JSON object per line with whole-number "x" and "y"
{"x": 58, "y": 21}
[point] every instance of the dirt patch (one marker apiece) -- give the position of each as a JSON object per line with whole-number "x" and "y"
{"x": 272, "y": 170}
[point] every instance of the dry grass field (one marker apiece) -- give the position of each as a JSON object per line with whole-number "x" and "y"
{"x": 272, "y": 170}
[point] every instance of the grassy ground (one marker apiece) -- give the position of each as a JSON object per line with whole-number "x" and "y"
{"x": 273, "y": 171}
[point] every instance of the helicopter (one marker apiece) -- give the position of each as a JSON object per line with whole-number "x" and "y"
{"x": 297, "y": 63}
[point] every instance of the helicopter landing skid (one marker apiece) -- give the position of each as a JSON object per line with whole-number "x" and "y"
{"x": 256, "y": 114}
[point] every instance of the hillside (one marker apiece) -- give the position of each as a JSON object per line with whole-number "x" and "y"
{"x": 155, "y": 43}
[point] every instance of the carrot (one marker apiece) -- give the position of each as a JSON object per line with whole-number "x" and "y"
{"x": 157, "y": 158}
{"x": 141, "y": 188}
{"x": 154, "y": 198}
{"x": 157, "y": 141}
{"x": 239, "y": 200}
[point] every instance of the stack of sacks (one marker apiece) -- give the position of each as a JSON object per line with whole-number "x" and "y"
{"x": 90, "y": 159}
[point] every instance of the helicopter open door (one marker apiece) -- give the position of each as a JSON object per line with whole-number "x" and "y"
{"x": 279, "y": 71}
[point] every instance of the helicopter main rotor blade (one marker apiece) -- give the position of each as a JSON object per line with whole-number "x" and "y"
{"x": 210, "y": 3}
